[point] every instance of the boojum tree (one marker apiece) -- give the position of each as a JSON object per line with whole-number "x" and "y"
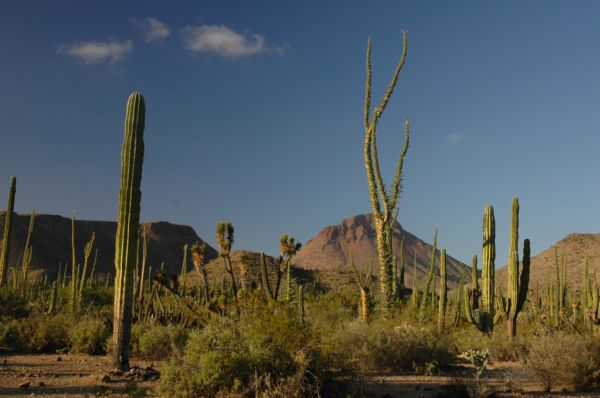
{"x": 384, "y": 203}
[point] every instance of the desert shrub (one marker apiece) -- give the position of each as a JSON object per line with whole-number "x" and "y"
{"x": 12, "y": 305}
{"x": 89, "y": 336}
{"x": 562, "y": 359}
{"x": 498, "y": 344}
{"x": 35, "y": 334}
{"x": 98, "y": 297}
{"x": 267, "y": 353}
{"x": 384, "y": 346}
{"x": 156, "y": 341}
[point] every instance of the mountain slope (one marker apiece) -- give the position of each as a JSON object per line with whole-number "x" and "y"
{"x": 332, "y": 248}
{"x": 51, "y": 242}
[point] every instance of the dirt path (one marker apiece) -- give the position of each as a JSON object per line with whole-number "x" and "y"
{"x": 501, "y": 380}
{"x": 70, "y": 375}
{"x": 87, "y": 376}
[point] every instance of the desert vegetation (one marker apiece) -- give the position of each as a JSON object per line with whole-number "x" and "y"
{"x": 257, "y": 326}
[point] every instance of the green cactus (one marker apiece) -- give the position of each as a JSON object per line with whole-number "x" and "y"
{"x": 183, "y": 275}
{"x": 383, "y": 203}
{"x": 53, "y": 298}
{"x": 483, "y": 318}
{"x": 431, "y": 273}
{"x": 4, "y": 258}
{"x": 414, "y": 297}
{"x": 132, "y": 156}
{"x": 517, "y": 287}
{"x": 363, "y": 281}
{"x": 443, "y": 293}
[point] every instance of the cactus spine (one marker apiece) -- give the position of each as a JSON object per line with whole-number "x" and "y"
{"x": 443, "y": 293}
{"x": 132, "y": 156}
{"x": 7, "y": 228}
{"x": 383, "y": 203}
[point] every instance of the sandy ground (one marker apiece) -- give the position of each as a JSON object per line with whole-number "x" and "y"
{"x": 69, "y": 375}
{"x": 73, "y": 375}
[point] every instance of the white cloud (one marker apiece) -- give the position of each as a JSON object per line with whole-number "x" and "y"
{"x": 94, "y": 52}
{"x": 225, "y": 42}
{"x": 455, "y": 138}
{"x": 152, "y": 29}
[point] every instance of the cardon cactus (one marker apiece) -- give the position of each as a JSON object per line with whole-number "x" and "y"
{"x": 484, "y": 318}
{"x": 517, "y": 289}
{"x": 7, "y": 227}
{"x": 132, "y": 156}
{"x": 443, "y": 293}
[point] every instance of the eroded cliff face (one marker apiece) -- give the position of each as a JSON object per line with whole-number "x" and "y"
{"x": 51, "y": 242}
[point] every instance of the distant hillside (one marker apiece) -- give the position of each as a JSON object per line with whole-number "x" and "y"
{"x": 331, "y": 249}
{"x": 51, "y": 242}
{"x": 575, "y": 247}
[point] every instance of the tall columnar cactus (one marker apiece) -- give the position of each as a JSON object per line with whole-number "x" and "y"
{"x": 483, "y": 318}
{"x": 7, "y": 228}
{"x": 414, "y": 297}
{"x": 132, "y": 157}
{"x": 431, "y": 271}
{"x": 383, "y": 203}
{"x": 517, "y": 287}
{"x": 443, "y": 293}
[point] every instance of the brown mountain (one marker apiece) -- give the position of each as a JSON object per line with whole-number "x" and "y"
{"x": 51, "y": 242}
{"x": 355, "y": 236}
{"x": 575, "y": 247}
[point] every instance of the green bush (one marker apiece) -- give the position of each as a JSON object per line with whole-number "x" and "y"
{"x": 12, "y": 305}
{"x": 89, "y": 336}
{"x": 36, "y": 334}
{"x": 155, "y": 341}
{"x": 385, "y": 346}
{"x": 565, "y": 360}
{"x": 267, "y": 353}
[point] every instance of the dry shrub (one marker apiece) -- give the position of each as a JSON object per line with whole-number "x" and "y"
{"x": 565, "y": 360}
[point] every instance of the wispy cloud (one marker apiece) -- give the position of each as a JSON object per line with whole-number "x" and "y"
{"x": 95, "y": 52}
{"x": 455, "y": 138}
{"x": 224, "y": 41}
{"x": 152, "y": 29}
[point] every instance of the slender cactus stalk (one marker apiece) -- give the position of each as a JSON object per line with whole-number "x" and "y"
{"x": 443, "y": 293}
{"x": 431, "y": 271}
{"x": 132, "y": 156}
{"x": 4, "y": 258}
{"x": 383, "y": 203}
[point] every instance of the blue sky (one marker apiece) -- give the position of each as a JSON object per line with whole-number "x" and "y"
{"x": 254, "y": 113}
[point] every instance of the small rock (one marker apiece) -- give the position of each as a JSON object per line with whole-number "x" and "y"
{"x": 106, "y": 379}
{"x": 58, "y": 359}
{"x": 25, "y": 385}
{"x": 30, "y": 375}
{"x": 41, "y": 384}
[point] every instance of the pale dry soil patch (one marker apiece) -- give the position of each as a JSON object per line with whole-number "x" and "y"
{"x": 71, "y": 375}
{"x": 77, "y": 375}
{"x": 501, "y": 380}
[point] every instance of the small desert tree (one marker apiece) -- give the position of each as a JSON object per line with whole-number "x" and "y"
{"x": 383, "y": 203}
